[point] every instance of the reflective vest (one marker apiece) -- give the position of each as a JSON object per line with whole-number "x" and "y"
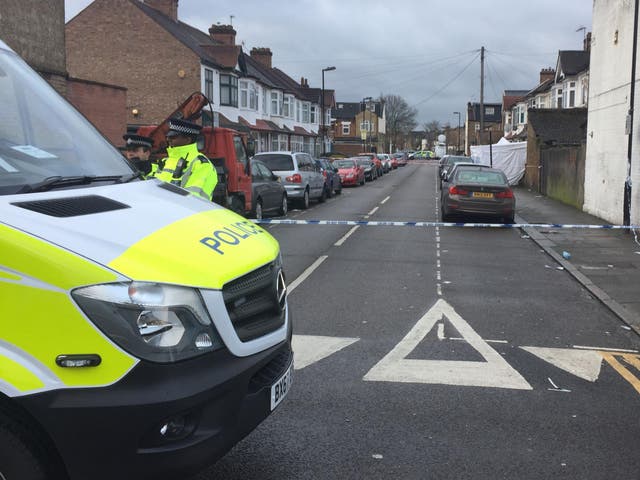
{"x": 186, "y": 167}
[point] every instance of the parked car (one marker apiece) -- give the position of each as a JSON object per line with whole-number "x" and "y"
{"x": 386, "y": 162}
{"x": 299, "y": 174}
{"x": 376, "y": 161}
{"x": 401, "y": 158}
{"x": 332, "y": 181}
{"x": 350, "y": 172}
{"x": 478, "y": 190}
{"x": 447, "y": 160}
{"x": 370, "y": 169}
{"x": 450, "y": 172}
{"x": 268, "y": 193}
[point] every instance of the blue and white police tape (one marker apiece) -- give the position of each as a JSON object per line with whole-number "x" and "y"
{"x": 368, "y": 223}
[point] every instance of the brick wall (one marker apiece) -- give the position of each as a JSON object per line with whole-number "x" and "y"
{"x": 114, "y": 42}
{"x": 35, "y": 30}
{"x": 103, "y": 105}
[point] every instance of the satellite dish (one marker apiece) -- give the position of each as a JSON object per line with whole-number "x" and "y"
{"x": 442, "y": 138}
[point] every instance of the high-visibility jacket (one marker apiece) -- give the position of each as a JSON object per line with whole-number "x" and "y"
{"x": 186, "y": 167}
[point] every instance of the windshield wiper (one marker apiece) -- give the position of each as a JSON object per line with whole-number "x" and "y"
{"x": 58, "y": 181}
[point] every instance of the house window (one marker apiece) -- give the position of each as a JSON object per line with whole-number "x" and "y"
{"x": 228, "y": 90}
{"x": 264, "y": 100}
{"x": 489, "y": 111}
{"x": 298, "y": 110}
{"x": 276, "y": 104}
{"x": 585, "y": 91}
{"x": 287, "y": 109}
{"x": 253, "y": 97}
{"x": 346, "y": 128}
{"x": 282, "y": 142}
{"x": 314, "y": 114}
{"x": 327, "y": 116}
{"x": 244, "y": 94}
{"x": 521, "y": 120}
{"x": 305, "y": 112}
{"x": 559, "y": 98}
{"x": 365, "y": 126}
{"x": 208, "y": 84}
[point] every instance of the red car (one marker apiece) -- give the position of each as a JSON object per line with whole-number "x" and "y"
{"x": 350, "y": 172}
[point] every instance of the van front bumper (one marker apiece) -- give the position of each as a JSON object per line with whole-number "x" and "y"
{"x": 213, "y": 401}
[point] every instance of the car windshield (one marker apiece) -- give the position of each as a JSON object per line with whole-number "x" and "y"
{"x": 343, "y": 164}
{"x": 43, "y": 138}
{"x": 276, "y": 161}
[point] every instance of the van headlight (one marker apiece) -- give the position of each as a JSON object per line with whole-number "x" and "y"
{"x": 153, "y": 321}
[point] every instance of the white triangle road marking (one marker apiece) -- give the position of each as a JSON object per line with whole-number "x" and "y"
{"x": 493, "y": 372}
{"x": 308, "y": 349}
{"x": 581, "y": 363}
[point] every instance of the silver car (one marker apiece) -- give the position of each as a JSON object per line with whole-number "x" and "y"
{"x": 300, "y": 176}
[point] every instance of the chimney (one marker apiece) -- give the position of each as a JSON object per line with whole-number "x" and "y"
{"x": 547, "y": 74}
{"x": 262, "y": 55}
{"x": 225, "y": 34}
{"x": 587, "y": 42}
{"x": 166, "y": 7}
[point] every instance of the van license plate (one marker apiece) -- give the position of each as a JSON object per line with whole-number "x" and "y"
{"x": 280, "y": 389}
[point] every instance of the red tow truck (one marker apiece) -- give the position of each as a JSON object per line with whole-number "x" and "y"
{"x": 226, "y": 148}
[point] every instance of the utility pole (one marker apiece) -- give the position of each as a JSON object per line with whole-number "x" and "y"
{"x": 626, "y": 213}
{"x": 481, "y": 94}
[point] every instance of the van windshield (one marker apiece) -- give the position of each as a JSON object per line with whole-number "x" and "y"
{"x": 277, "y": 162}
{"x": 42, "y": 137}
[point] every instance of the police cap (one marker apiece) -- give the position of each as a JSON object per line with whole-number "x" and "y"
{"x": 135, "y": 141}
{"x": 182, "y": 127}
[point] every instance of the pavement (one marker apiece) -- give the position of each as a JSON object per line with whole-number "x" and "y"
{"x": 605, "y": 262}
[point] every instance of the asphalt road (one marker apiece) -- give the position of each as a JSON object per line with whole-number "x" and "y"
{"x": 441, "y": 353}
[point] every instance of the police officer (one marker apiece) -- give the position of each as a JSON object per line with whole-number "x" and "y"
{"x": 138, "y": 150}
{"x": 185, "y": 165}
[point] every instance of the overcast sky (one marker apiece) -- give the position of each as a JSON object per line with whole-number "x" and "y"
{"x": 427, "y": 52}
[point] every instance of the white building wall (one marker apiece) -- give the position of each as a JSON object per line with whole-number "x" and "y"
{"x": 609, "y": 88}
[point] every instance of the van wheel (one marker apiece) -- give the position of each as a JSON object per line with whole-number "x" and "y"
{"x": 258, "y": 211}
{"x": 284, "y": 206}
{"x": 23, "y": 453}
{"x": 304, "y": 202}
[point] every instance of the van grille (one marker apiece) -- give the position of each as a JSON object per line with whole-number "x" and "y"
{"x": 252, "y": 303}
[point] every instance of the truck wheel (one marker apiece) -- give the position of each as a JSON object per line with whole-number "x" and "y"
{"x": 284, "y": 208}
{"x": 23, "y": 454}
{"x": 237, "y": 205}
{"x": 259, "y": 209}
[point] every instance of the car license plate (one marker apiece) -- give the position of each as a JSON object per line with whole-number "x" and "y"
{"x": 280, "y": 389}
{"x": 482, "y": 195}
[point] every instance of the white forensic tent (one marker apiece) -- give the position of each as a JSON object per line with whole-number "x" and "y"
{"x": 510, "y": 157}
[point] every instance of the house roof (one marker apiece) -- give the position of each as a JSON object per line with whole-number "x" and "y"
{"x": 474, "y": 112}
{"x": 349, "y": 110}
{"x": 197, "y": 40}
{"x": 572, "y": 62}
{"x": 511, "y": 97}
{"x": 543, "y": 87}
{"x": 559, "y": 126}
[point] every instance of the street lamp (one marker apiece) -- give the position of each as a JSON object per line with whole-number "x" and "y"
{"x": 365, "y": 135}
{"x": 458, "y": 113}
{"x": 324, "y": 130}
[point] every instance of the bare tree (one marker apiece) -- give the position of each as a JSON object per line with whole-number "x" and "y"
{"x": 431, "y": 131}
{"x": 400, "y": 118}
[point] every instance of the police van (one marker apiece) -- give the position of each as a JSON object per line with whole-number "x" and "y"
{"x": 143, "y": 331}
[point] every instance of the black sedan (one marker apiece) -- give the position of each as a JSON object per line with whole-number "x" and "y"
{"x": 478, "y": 191}
{"x": 267, "y": 192}
{"x": 370, "y": 170}
{"x": 332, "y": 181}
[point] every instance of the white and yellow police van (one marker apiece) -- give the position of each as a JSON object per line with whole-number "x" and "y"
{"x": 143, "y": 330}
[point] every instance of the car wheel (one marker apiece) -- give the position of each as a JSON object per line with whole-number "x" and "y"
{"x": 304, "y": 202}
{"x": 362, "y": 181}
{"x": 258, "y": 209}
{"x": 237, "y": 205}
{"x": 323, "y": 195}
{"x": 284, "y": 207}
{"x": 23, "y": 454}
{"x": 339, "y": 191}
{"x": 330, "y": 191}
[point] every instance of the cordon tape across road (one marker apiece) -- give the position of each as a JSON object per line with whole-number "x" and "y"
{"x": 368, "y": 223}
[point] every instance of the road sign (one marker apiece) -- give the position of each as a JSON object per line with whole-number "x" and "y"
{"x": 494, "y": 371}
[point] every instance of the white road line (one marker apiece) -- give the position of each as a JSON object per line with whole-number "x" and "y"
{"x": 344, "y": 239}
{"x": 293, "y": 285}
{"x": 438, "y": 275}
{"x": 551, "y": 382}
{"x": 582, "y": 347}
{"x": 373, "y": 211}
{"x": 385, "y": 200}
{"x": 488, "y": 341}
{"x": 441, "y": 331}
{"x": 439, "y": 289}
